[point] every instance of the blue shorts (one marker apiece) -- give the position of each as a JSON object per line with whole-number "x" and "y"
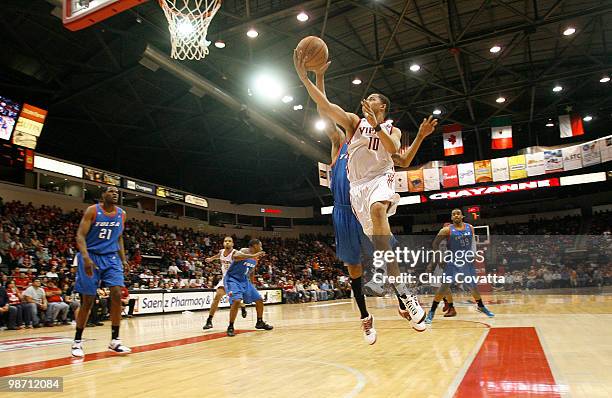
{"x": 240, "y": 290}
{"x": 467, "y": 270}
{"x": 349, "y": 234}
{"x": 109, "y": 271}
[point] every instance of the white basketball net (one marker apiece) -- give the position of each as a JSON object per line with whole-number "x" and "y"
{"x": 188, "y": 22}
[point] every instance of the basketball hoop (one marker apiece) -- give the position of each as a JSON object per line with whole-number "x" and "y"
{"x": 188, "y": 22}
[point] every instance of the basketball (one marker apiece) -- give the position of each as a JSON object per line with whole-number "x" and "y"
{"x": 315, "y": 49}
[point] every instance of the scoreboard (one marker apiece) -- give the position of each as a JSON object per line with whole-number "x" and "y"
{"x": 13, "y": 156}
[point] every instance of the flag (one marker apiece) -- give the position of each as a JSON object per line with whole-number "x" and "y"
{"x": 501, "y": 133}
{"x": 453, "y": 143}
{"x": 570, "y": 125}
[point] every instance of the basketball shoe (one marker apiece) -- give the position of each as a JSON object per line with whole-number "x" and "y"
{"x": 116, "y": 346}
{"x": 369, "y": 333}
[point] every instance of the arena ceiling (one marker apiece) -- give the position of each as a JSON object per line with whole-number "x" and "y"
{"x": 109, "y": 111}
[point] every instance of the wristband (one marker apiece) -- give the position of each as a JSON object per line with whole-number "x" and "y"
{"x": 377, "y": 128}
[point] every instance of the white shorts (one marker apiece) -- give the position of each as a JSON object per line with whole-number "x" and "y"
{"x": 364, "y": 194}
{"x": 220, "y": 283}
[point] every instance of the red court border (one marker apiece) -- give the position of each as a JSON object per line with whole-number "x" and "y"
{"x": 510, "y": 363}
{"x": 54, "y": 363}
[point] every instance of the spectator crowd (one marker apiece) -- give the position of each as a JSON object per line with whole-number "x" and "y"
{"x": 38, "y": 245}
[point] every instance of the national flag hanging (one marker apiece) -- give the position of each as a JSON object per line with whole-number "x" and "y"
{"x": 501, "y": 132}
{"x": 570, "y": 125}
{"x": 453, "y": 142}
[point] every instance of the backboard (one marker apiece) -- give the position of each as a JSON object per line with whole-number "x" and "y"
{"x": 80, "y": 14}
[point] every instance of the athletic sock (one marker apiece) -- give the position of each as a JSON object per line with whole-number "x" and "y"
{"x": 115, "y": 334}
{"x": 359, "y": 297}
{"x": 79, "y": 334}
{"x": 231, "y": 325}
{"x": 259, "y": 320}
{"x": 401, "y": 302}
{"x": 209, "y": 318}
{"x": 479, "y": 302}
{"x": 434, "y": 305}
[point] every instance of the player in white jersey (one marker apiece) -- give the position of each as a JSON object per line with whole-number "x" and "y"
{"x": 225, "y": 258}
{"x": 372, "y": 142}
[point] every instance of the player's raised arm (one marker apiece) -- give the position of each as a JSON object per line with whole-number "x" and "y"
{"x": 427, "y": 127}
{"x": 348, "y": 121}
{"x": 335, "y": 135}
{"x": 442, "y": 235}
{"x": 241, "y": 255}
{"x": 81, "y": 238}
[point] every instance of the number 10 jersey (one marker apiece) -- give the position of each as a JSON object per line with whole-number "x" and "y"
{"x": 368, "y": 158}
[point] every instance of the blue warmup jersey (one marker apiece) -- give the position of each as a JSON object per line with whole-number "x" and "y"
{"x": 237, "y": 283}
{"x": 240, "y": 270}
{"x": 348, "y": 232}
{"x": 340, "y": 186}
{"x": 460, "y": 241}
{"x": 103, "y": 237}
{"x": 103, "y": 247}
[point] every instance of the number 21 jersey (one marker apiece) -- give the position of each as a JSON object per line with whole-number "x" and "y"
{"x": 103, "y": 236}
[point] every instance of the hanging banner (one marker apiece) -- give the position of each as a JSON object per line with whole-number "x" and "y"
{"x": 572, "y": 158}
{"x": 415, "y": 181}
{"x": 518, "y": 167}
{"x": 401, "y": 181}
{"x": 432, "y": 179}
{"x": 324, "y": 174}
{"x": 535, "y": 164}
{"x": 482, "y": 171}
{"x": 466, "y": 173}
{"x": 450, "y": 178}
{"x": 590, "y": 153}
{"x": 605, "y": 148}
{"x": 500, "y": 169}
{"x": 553, "y": 161}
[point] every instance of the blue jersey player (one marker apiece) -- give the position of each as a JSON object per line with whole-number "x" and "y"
{"x": 460, "y": 242}
{"x": 348, "y": 231}
{"x": 101, "y": 258}
{"x": 238, "y": 286}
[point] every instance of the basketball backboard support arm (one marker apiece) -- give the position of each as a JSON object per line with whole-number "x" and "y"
{"x": 80, "y": 14}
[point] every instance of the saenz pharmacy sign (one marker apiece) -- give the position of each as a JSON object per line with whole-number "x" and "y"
{"x": 158, "y": 301}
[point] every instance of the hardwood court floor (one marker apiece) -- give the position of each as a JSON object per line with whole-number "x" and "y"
{"x": 544, "y": 345}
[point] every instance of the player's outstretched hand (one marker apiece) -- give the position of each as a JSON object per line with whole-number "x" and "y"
{"x": 299, "y": 61}
{"x": 260, "y": 254}
{"x": 208, "y": 260}
{"x": 321, "y": 71}
{"x": 89, "y": 266}
{"x": 428, "y": 126}
{"x": 369, "y": 113}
